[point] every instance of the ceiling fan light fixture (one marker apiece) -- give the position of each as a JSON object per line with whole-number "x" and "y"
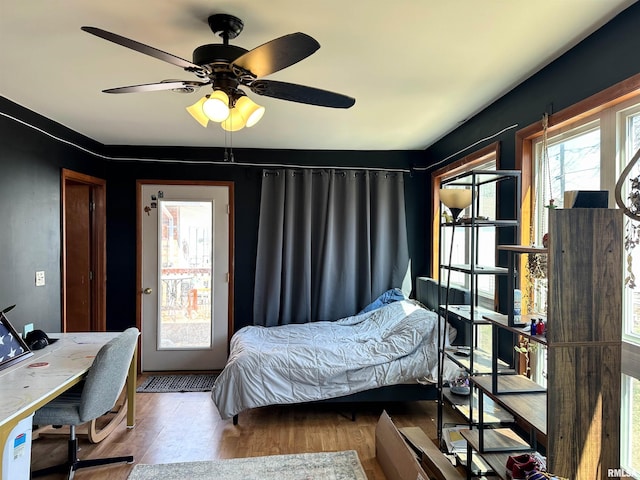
{"x": 234, "y": 122}
{"x": 216, "y": 107}
{"x": 197, "y": 113}
{"x": 249, "y": 110}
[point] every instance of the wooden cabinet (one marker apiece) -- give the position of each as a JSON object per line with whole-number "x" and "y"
{"x": 579, "y": 415}
{"x": 585, "y": 270}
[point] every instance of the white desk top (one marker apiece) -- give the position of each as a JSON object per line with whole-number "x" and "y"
{"x": 23, "y": 389}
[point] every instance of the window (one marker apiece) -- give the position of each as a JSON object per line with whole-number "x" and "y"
{"x": 629, "y": 126}
{"x": 486, "y": 240}
{"x": 484, "y": 159}
{"x": 582, "y": 156}
{"x": 569, "y": 160}
{"x": 586, "y": 149}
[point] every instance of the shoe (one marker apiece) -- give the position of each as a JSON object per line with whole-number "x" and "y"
{"x": 519, "y": 470}
{"x": 524, "y": 458}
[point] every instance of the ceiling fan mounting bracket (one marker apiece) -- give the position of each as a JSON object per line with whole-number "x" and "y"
{"x": 225, "y": 25}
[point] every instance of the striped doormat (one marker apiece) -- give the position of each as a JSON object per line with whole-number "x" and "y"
{"x": 177, "y": 383}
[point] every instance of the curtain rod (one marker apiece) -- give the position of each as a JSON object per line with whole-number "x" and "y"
{"x": 199, "y": 162}
{"x": 342, "y": 171}
{"x": 467, "y": 148}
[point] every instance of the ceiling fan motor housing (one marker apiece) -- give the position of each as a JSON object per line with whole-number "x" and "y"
{"x": 216, "y": 53}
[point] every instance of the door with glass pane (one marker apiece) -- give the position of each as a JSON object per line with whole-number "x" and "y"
{"x": 185, "y": 276}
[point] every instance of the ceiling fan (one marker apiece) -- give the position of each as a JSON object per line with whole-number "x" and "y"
{"x": 227, "y": 68}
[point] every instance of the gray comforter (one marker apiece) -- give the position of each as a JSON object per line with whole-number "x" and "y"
{"x": 305, "y": 362}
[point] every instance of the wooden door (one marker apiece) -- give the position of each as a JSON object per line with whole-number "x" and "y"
{"x": 78, "y": 247}
{"x": 83, "y": 253}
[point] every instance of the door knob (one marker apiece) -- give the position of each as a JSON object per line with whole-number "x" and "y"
{"x": 147, "y": 291}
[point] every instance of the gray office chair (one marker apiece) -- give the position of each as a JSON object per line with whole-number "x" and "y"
{"x": 92, "y": 398}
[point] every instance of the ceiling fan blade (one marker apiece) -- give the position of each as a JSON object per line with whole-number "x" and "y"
{"x": 146, "y": 49}
{"x": 301, "y": 94}
{"x": 155, "y": 87}
{"x": 277, "y": 54}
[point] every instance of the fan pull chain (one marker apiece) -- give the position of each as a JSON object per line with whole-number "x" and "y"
{"x": 228, "y": 152}
{"x": 231, "y": 159}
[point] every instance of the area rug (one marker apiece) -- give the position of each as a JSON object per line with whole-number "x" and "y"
{"x": 304, "y": 466}
{"x": 177, "y": 383}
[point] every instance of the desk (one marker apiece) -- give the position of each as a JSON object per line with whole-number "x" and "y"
{"x": 23, "y": 389}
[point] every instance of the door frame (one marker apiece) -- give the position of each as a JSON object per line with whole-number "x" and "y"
{"x": 98, "y": 228}
{"x": 139, "y": 259}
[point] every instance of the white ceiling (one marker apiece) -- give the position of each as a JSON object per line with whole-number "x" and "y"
{"x": 417, "y": 68}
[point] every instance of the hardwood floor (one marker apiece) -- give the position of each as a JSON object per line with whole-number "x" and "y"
{"x": 180, "y": 427}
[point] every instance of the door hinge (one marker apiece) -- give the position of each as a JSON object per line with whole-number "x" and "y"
{"x": 92, "y": 206}
{"x": 228, "y": 209}
{"x": 90, "y": 275}
{"x": 228, "y": 277}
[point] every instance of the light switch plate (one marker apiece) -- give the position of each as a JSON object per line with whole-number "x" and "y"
{"x": 40, "y": 278}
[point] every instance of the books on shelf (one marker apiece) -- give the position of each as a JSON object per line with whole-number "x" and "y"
{"x": 456, "y": 447}
{"x": 453, "y": 440}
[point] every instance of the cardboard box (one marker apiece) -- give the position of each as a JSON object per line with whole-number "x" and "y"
{"x": 408, "y": 454}
{"x": 397, "y": 459}
{"x": 433, "y": 460}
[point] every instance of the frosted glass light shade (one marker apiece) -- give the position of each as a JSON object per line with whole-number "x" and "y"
{"x": 459, "y": 198}
{"x": 456, "y": 200}
{"x": 250, "y": 111}
{"x": 197, "y": 113}
{"x": 217, "y": 106}
{"x": 234, "y": 121}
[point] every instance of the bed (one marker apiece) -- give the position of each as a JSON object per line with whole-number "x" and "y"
{"x": 386, "y": 352}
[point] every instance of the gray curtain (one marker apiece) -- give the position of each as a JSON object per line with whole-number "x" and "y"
{"x": 329, "y": 242}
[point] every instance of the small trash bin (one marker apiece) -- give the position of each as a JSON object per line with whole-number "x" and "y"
{"x": 16, "y": 457}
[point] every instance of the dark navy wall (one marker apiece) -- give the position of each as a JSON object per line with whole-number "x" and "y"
{"x": 30, "y": 234}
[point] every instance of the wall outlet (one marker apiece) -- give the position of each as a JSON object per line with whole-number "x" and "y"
{"x": 27, "y": 328}
{"x": 40, "y": 278}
